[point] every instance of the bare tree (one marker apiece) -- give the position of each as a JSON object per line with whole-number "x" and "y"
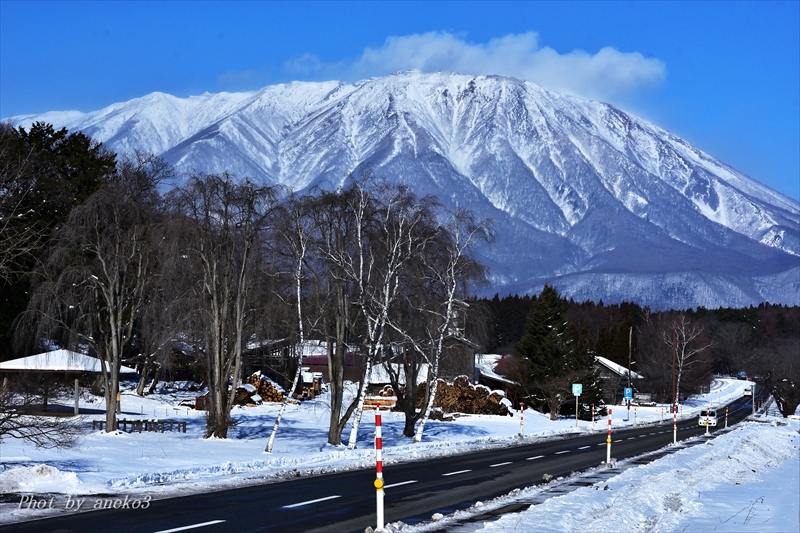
{"x": 779, "y": 366}
{"x": 393, "y": 229}
{"x": 685, "y": 341}
{"x": 449, "y": 269}
{"x": 100, "y": 269}
{"x": 220, "y": 240}
{"x": 295, "y": 231}
{"x": 334, "y": 247}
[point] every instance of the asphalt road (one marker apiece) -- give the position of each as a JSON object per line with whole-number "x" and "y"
{"x": 346, "y": 501}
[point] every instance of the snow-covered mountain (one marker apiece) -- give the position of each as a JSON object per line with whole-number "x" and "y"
{"x": 598, "y": 202}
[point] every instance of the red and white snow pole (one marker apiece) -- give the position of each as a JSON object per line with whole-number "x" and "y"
{"x": 662, "y": 414}
{"x": 379, "y": 466}
{"x": 726, "y": 417}
{"x": 707, "y": 421}
{"x": 634, "y": 415}
{"x": 592, "y": 417}
{"x": 674, "y": 424}
{"x": 521, "y": 413}
{"x": 608, "y": 439}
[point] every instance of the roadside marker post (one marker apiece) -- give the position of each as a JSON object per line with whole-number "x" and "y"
{"x": 592, "y": 417}
{"x": 707, "y": 421}
{"x": 379, "y": 467}
{"x": 662, "y": 414}
{"x": 608, "y": 439}
{"x": 674, "y": 424}
{"x": 726, "y": 417}
{"x": 634, "y": 415}
{"x": 521, "y": 416}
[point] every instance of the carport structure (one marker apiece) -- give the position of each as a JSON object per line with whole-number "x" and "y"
{"x": 60, "y": 361}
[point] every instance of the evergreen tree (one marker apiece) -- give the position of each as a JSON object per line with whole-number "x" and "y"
{"x": 44, "y": 174}
{"x": 555, "y": 356}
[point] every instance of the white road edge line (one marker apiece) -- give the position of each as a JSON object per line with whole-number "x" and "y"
{"x": 184, "y": 528}
{"x": 532, "y": 458}
{"x": 454, "y": 473}
{"x": 501, "y": 464}
{"x": 309, "y": 502}
{"x": 399, "y": 484}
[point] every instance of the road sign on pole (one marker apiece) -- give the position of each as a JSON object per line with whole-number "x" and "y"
{"x": 577, "y": 388}
{"x": 628, "y": 393}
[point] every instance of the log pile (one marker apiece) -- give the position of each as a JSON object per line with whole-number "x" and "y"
{"x": 245, "y": 396}
{"x": 462, "y": 396}
{"x": 255, "y": 390}
{"x": 265, "y": 388}
{"x": 385, "y": 397}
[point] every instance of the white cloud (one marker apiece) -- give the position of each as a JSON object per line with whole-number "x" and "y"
{"x": 605, "y": 75}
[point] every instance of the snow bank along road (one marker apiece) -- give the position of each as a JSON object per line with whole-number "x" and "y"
{"x": 346, "y": 501}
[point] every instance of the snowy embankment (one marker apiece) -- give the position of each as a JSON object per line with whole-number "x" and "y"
{"x": 747, "y": 480}
{"x": 165, "y": 464}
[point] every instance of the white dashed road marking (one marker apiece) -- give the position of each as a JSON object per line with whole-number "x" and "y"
{"x": 309, "y": 502}
{"x": 455, "y": 473}
{"x": 398, "y": 484}
{"x": 193, "y": 526}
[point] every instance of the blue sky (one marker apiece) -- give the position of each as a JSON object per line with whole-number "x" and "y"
{"x": 723, "y": 75}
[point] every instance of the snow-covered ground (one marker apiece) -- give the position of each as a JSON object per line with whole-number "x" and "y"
{"x": 164, "y": 464}
{"x": 745, "y": 480}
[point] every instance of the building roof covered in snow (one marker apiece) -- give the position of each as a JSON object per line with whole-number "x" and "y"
{"x": 57, "y": 361}
{"x": 617, "y": 369}
{"x": 486, "y": 363}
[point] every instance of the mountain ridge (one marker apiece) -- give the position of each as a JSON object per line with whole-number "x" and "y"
{"x": 575, "y": 188}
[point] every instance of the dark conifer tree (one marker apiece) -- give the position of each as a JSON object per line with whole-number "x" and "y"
{"x": 556, "y": 356}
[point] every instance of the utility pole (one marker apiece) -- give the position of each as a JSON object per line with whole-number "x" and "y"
{"x": 674, "y": 363}
{"x": 630, "y": 349}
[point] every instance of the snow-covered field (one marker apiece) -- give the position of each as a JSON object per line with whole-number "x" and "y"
{"x": 165, "y": 464}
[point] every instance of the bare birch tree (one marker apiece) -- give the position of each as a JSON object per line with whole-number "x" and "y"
{"x": 449, "y": 268}
{"x": 684, "y": 339}
{"x": 295, "y": 232}
{"x": 390, "y": 234}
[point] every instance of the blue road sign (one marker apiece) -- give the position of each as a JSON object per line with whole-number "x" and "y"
{"x": 628, "y": 395}
{"x": 577, "y": 388}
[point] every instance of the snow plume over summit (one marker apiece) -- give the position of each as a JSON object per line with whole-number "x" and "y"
{"x": 585, "y": 196}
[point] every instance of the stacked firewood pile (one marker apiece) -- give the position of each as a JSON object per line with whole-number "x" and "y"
{"x": 265, "y": 388}
{"x": 462, "y": 396}
{"x": 257, "y": 389}
{"x": 385, "y": 398}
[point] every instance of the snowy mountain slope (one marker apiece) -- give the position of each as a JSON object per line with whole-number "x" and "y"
{"x": 576, "y": 188}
